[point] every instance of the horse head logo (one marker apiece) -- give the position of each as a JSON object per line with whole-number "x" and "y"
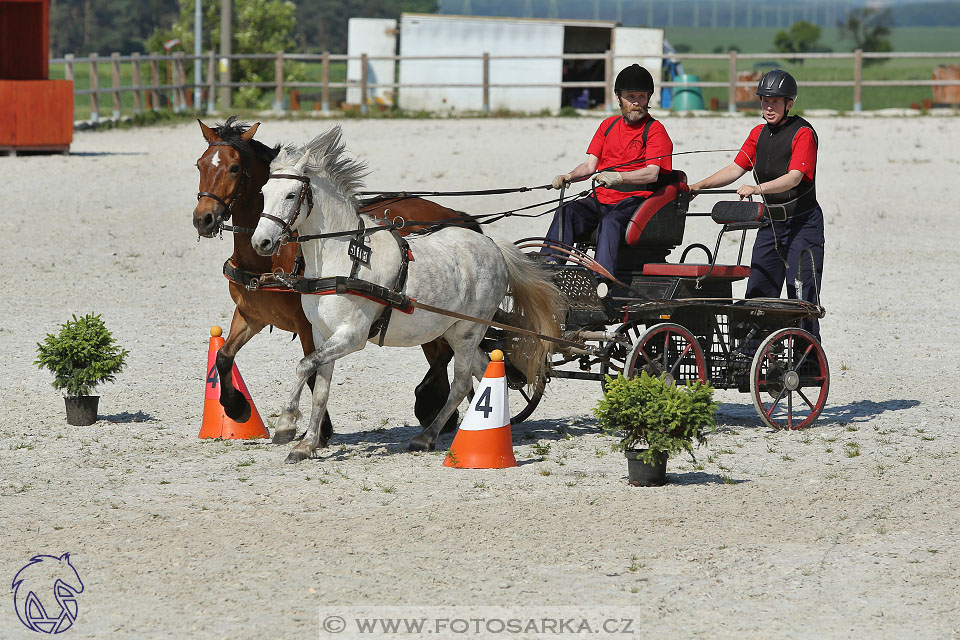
{"x": 32, "y": 587}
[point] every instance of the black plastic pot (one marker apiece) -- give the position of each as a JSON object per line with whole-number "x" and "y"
{"x": 82, "y": 410}
{"x": 642, "y": 474}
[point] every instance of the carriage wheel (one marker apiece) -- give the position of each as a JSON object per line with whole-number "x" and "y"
{"x": 668, "y": 350}
{"x": 618, "y": 352}
{"x": 524, "y": 402}
{"x": 789, "y": 379}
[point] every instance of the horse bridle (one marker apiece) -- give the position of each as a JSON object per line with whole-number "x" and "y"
{"x": 237, "y": 193}
{"x": 305, "y": 194}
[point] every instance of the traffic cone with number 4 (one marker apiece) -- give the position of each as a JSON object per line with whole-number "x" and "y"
{"x": 216, "y": 424}
{"x": 484, "y": 440}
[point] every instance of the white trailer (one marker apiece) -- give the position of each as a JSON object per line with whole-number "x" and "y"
{"x": 448, "y": 36}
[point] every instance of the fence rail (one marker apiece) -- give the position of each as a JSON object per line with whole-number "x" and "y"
{"x": 175, "y": 92}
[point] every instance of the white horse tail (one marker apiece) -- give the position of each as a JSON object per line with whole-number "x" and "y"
{"x": 536, "y": 305}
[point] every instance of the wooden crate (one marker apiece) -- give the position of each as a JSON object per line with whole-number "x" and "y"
{"x": 36, "y": 115}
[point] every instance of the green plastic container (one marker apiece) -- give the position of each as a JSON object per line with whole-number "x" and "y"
{"x": 687, "y": 98}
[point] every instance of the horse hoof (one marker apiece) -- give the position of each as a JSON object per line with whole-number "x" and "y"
{"x": 283, "y": 437}
{"x": 420, "y": 445}
{"x": 238, "y": 411}
{"x": 451, "y": 424}
{"x": 296, "y": 456}
{"x": 326, "y": 427}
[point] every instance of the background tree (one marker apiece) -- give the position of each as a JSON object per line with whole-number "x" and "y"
{"x": 104, "y": 26}
{"x": 322, "y": 24}
{"x": 260, "y": 26}
{"x": 869, "y": 28}
{"x": 801, "y": 38}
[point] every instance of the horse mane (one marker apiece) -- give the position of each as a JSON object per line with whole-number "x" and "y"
{"x": 327, "y": 157}
{"x": 230, "y": 132}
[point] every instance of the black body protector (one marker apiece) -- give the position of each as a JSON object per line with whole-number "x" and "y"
{"x": 774, "y": 148}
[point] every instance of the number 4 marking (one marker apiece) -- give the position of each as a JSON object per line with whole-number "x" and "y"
{"x": 213, "y": 376}
{"x": 483, "y": 403}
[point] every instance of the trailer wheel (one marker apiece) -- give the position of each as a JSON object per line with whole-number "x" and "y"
{"x": 525, "y": 401}
{"x": 668, "y": 350}
{"x": 789, "y": 379}
{"x": 618, "y": 351}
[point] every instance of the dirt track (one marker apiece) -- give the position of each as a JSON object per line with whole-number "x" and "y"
{"x": 846, "y": 530}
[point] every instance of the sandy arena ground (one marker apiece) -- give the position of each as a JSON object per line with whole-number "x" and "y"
{"x": 846, "y": 530}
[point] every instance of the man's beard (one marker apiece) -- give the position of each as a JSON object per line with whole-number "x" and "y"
{"x": 634, "y": 115}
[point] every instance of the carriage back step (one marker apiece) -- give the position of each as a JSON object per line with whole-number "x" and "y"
{"x": 742, "y": 214}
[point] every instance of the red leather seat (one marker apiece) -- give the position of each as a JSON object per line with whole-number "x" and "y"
{"x": 688, "y": 270}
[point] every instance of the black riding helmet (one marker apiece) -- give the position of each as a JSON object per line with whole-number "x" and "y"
{"x": 633, "y": 78}
{"x": 777, "y": 84}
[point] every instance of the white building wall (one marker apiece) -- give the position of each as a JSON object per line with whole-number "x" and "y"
{"x": 375, "y": 37}
{"x": 441, "y": 36}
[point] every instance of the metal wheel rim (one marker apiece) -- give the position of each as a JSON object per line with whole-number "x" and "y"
{"x": 669, "y": 329}
{"x": 792, "y": 382}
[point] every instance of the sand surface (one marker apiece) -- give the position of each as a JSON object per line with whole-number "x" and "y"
{"x": 846, "y": 530}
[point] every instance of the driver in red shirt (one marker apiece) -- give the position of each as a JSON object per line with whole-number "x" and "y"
{"x": 631, "y": 151}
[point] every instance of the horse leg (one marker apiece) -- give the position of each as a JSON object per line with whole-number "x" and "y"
{"x": 464, "y": 366}
{"x": 434, "y": 389}
{"x": 326, "y": 427}
{"x": 320, "y": 364}
{"x": 241, "y": 330}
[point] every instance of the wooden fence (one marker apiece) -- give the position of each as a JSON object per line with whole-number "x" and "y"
{"x": 149, "y": 93}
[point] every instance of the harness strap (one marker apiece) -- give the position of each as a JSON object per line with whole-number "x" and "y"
{"x": 643, "y": 139}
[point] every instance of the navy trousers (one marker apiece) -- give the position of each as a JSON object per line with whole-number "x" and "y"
{"x": 581, "y": 217}
{"x": 777, "y": 255}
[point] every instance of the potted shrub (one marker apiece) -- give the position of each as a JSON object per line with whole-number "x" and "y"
{"x": 666, "y": 418}
{"x": 80, "y": 357}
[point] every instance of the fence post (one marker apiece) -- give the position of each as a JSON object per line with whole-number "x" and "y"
{"x": 68, "y": 75}
{"x": 115, "y": 72}
{"x": 182, "y": 75}
{"x": 486, "y": 82}
{"x": 325, "y": 89}
{"x": 94, "y": 86}
{"x": 608, "y": 80}
{"x": 363, "y": 84}
{"x": 732, "y": 97}
{"x": 211, "y": 82}
{"x": 278, "y": 77}
{"x": 155, "y": 81}
{"x": 137, "y": 84}
{"x": 857, "y": 79}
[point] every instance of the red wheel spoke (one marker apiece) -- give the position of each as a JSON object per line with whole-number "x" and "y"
{"x": 790, "y": 410}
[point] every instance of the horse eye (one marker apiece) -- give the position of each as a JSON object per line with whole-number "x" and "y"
{"x": 235, "y": 168}
{"x": 291, "y": 196}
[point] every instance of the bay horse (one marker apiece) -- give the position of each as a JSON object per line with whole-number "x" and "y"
{"x": 312, "y": 190}
{"x": 233, "y": 169}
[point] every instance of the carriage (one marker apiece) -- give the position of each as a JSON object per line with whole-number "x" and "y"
{"x": 680, "y": 319}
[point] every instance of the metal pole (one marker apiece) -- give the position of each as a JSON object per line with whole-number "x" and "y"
{"x": 226, "y": 48}
{"x": 857, "y": 79}
{"x": 732, "y": 105}
{"x": 197, "y": 41}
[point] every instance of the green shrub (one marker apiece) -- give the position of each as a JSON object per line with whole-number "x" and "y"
{"x": 81, "y": 356}
{"x": 666, "y": 418}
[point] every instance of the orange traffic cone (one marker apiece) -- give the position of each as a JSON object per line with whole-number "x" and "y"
{"x": 216, "y": 424}
{"x": 484, "y": 440}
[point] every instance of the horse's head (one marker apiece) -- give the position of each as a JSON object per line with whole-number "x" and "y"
{"x": 34, "y": 583}
{"x": 225, "y": 175}
{"x": 297, "y": 175}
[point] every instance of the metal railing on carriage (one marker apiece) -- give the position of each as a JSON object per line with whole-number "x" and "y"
{"x": 176, "y": 92}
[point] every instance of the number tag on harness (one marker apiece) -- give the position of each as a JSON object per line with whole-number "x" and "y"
{"x": 359, "y": 252}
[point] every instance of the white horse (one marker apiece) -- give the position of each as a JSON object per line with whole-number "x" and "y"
{"x": 312, "y": 190}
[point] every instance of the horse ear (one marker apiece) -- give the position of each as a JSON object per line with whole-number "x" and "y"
{"x": 208, "y": 134}
{"x": 247, "y": 135}
{"x": 302, "y": 162}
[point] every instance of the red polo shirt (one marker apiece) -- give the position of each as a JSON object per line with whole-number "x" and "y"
{"x": 803, "y": 157}
{"x": 624, "y": 144}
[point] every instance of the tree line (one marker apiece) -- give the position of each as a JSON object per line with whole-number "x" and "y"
{"x": 104, "y": 26}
